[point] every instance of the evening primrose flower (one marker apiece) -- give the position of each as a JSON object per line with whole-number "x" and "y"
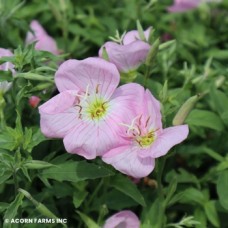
{"x": 88, "y": 109}
{"x": 127, "y": 56}
{"x": 5, "y": 85}
{"x": 44, "y": 41}
{"x": 146, "y": 139}
{"x": 184, "y": 5}
{"x": 123, "y": 219}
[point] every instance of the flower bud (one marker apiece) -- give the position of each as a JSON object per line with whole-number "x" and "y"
{"x": 34, "y": 101}
{"x": 39, "y": 206}
{"x": 35, "y": 164}
{"x": 152, "y": 53}
{"x": 185, "y": 109}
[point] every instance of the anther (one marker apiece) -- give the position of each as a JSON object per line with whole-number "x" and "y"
{"x": 97, "y": 88}
{"x": 147, "y": 121}
{"x": 80, "y": 108}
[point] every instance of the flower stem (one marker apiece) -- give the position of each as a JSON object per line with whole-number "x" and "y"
{"x": 146, "y": 75}
{"x": 161, "y": 213}
{"x": 15, "y": 183}
{"x": 95, "y": 192}
{"x": 2, "y": 106}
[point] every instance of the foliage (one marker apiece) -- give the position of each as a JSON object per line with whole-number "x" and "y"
{"x": 188, "y": 187}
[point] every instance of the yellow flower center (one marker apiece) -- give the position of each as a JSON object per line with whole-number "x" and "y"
{"x": 97, "y": 109}
{"x": 146, "y": 140}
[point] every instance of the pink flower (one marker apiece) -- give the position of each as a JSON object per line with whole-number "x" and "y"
{"x": 34, "y": 101}
{"x": 129, "y": 55}
{"x": 123, "y": 219}
{"x": 89, "y": 108}
{"x": 184, "y": 5}
{"x": 4, "y": 86}
{"x": 44, "y": 41}
{"x": 146, "y": 139}
{"x": 134, "y": 36}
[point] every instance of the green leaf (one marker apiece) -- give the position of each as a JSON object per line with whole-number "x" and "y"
{"x": 18, "y": 124}
{"x": 76, "y": 171}
{"x": 182, "y": 176}
{"x": 36, "y": 139}
{"x": 171, "y": 190}
{"x": 222, "y": 188}
{"x": 4, "y": 175}
{"x": 140, "y": 31}
{"x": 152, "y": 214}
{"x": 218, "y": 54}
{"x": 11, "y": 212}
{"x": 88, "y": 221}
{"x": 213, "y": 154}
{"x": 220, "y": 103}
{"x": 200, "y": 216}
{"x": 6, "y": 76}
{"x": 222, "y": 165}
{"x": 27, "y": 137}
{"x": 8, "y": 139}
{"x": 116, "y": 200}
{"x": 193, "y": 196}
{"x": 3, "y": 206}
{"x": 79, "y": 197}
{"x": 125, "y": 185}
{"x": 224, "y": 117}
{"x": 203, "y": 118}
{"x": 220, "y": 100}
{"x": 211, "y": 213}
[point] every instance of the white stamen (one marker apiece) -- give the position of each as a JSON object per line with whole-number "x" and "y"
{"x": 131, "y": 127}
{"x": 86, "y": 95}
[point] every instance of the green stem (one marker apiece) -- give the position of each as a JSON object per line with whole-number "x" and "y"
{"x": 161, "y": 165}
{"x": 146, "y": 75}
{"x": 15, "y": 182}
{"x": 94, "y": 193}
{"x": 2, "y": 106}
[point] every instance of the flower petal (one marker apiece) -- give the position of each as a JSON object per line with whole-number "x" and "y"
{"x": 59, "y": 103}
{"x": 126, "y": 160}
{"x": 38, "y": 31}
{"x": 183, "y": 5}
{"x": 44, "y": 41}
{"x": 126, "y": 57}
{"x": 167, "y": 139}
{"x": 126, "y": 219}
{"x": 93, "y": 73}
{"x": 58, "y": 116}
{"x": 152, "y": 109}
{"x": 134, "y": 35}
{"x": 6, "y": 66}
{"x": 5, "y": 86}
{"x": 90, "y": 139}
{"x": 47, "y": 43}
{"x": 127, "y": 100}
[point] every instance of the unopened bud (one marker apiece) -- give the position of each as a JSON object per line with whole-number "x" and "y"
{"x": 39, "y": 206}
{"x": 34, "y": 101}
{"x": 152, "y": 52}
{"x": 35, "y": 164}
{"x": 219, "y": 81}
{"x": 185, "y": 109}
